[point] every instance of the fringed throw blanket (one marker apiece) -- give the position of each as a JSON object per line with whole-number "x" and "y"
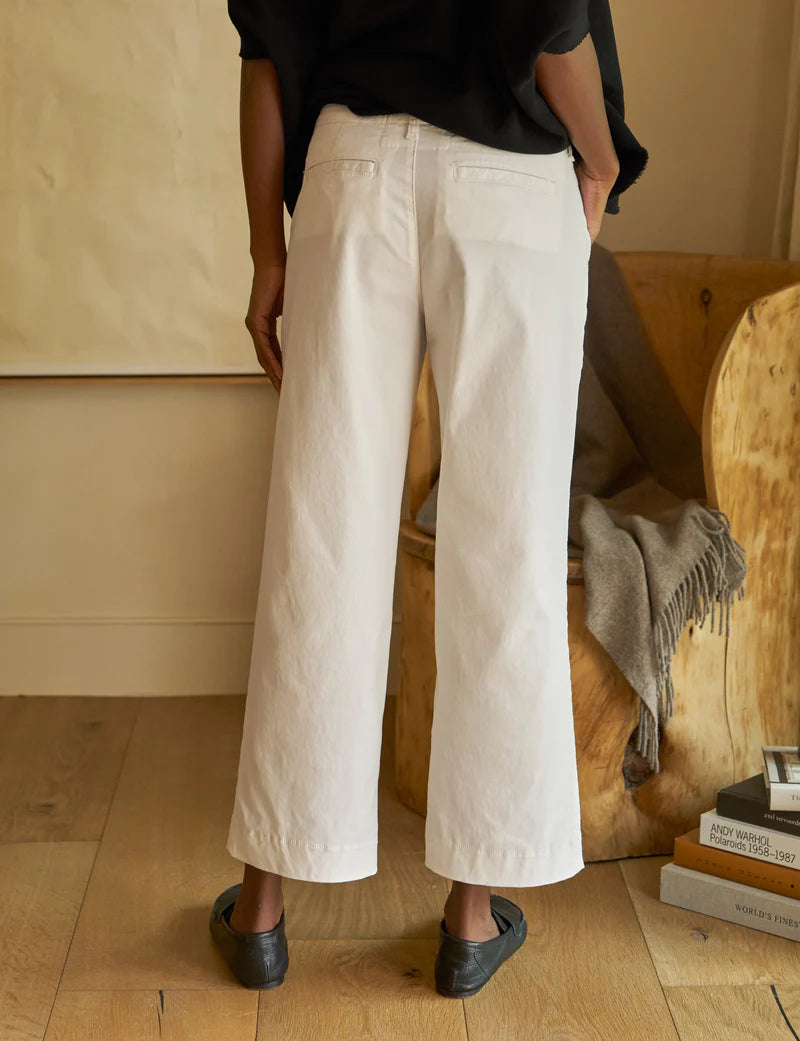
{"x": 655, "y": 556}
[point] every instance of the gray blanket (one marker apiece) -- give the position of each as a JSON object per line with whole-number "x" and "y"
{"x": 655, "y": 556}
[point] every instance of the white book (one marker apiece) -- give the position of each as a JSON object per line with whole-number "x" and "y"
{"x": 781, "y": 769}
{"x": 731, "y": 901}
{"x": 751, "y": 840}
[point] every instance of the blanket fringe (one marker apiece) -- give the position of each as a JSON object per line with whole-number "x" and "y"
{"x": 718, "y": 576}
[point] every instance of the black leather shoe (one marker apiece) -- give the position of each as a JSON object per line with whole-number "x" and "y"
{"x": 464, "y": 966}
{"x": 258, "y": 960}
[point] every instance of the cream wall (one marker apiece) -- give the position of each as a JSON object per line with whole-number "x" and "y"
{"x": 132, "y": 533}
{"x": 706, "y": 92}
{"x": 132, "y": 527}
{"x": 132, "y": 511}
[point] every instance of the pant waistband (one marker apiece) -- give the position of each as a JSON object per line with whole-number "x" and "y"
{"x": 336, "y": 112}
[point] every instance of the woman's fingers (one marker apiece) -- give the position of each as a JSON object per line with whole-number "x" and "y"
{"x": 266, "y": 304}
{"x": 269, "y": 356}
{"x": 594, "y": 192}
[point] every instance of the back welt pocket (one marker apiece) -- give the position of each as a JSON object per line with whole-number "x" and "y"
{"x": 364, "y": 167}
{"x": 501, "y": 175}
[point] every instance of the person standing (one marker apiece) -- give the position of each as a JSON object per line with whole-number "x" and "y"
{"x": 447, "y": 168}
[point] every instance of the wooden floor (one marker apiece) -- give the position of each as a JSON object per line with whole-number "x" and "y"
{"x": 113, "y": 819}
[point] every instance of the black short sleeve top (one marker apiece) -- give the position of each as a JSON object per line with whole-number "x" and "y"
{"x": 465, "y": 67}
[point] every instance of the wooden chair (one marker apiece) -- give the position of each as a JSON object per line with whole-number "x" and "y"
{"x": 727, "y": 332}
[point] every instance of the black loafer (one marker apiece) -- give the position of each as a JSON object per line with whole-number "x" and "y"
{"x": 258, "y": 960}
{"x": 464, "y": 966}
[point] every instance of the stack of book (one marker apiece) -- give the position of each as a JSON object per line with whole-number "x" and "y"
{"x": 742, "y": 863}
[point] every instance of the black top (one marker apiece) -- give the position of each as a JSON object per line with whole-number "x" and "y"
{"x": 463, "y": 67}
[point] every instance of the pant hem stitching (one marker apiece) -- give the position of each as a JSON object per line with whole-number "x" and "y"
{"x": 559, "y": 851}
{"x": 268, "y": 837}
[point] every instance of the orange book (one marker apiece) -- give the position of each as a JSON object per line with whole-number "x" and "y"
{"x": 775, "y": 878}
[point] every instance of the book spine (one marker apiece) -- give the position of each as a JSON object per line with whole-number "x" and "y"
{"x": 748, "y": 811}
{"x": 774, "y": 878}
{"x": 776, "y": 847}
{"x": 730, "y": 901}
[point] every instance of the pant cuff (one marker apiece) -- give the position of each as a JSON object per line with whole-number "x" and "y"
{"x": 491, "y": 868}
{"x": 306, "y": 861}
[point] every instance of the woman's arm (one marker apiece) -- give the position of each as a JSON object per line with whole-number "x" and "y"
{"x": 571, "y": 85}
{"x": 262, "y": 152}
{"x": 262, "y": 149}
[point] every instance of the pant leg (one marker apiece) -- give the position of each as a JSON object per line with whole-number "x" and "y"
{"x": 504, "y": 270}
{"x": 306, "y": 794}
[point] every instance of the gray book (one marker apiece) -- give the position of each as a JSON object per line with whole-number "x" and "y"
{"x": 731, "y": 901}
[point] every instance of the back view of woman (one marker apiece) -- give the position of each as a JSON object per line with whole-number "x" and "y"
{"x": 447, "y": 167}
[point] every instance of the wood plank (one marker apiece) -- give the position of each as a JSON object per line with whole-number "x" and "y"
{"x": 709, "y": 1013}
{"x": 357, "y": 989}
{"x": 144, "y": 1015}
{"x": 690, "y": 949}
{"x": 43, "y": 885}
{"x": 583, "y": 972}
{"x": 144, "y": 922}
{"x": 59, "y": 761}
{"x": 163, "y": 860}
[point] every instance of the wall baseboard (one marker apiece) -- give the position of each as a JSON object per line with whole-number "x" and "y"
{"x": 108, "y": 657}
{"x": 124, "y": 656}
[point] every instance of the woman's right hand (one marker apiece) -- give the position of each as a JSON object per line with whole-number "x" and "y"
{"x": 595, "y": 190}
{"x": 266, "y": 304}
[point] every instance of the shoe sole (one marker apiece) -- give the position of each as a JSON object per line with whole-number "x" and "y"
{"x": 264, "y": 986}
{"x": 461, "y": 993}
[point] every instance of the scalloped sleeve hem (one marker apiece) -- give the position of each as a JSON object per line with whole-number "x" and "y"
{"x": 568, "y": 41}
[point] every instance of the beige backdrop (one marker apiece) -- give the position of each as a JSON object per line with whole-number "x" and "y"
{"x": 133, "y": 510}
{"x": 123, "y": 236}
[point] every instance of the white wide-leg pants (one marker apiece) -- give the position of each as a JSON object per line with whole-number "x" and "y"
{"x": 406, "y": 237}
